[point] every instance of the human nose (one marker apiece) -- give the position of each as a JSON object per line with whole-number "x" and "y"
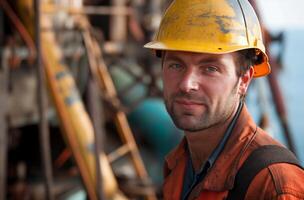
{"x": 190, "y": 81}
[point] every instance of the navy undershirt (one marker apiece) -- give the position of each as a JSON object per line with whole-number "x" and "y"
{"x": 191, "y": 179}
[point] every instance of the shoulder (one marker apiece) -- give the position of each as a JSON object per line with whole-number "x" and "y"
{"x": 264, "y": 138}
{"x": 278, "y": 181}
{"x": 288, "y": 179}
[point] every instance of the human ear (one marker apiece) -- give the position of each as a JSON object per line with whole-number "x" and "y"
{"x": 245, "y": 81}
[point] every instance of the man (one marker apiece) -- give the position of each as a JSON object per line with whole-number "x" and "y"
{"x": 211, "y": 50}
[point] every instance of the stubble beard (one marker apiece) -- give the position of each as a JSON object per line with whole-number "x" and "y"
{"x": 204, "y": 120}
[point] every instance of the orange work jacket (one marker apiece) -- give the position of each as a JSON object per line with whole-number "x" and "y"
{"x": 278, "y": 181}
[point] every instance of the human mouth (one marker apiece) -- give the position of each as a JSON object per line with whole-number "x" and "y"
{"x": 188, "y": 103}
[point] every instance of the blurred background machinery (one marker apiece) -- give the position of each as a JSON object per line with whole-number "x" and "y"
{"x": 81, "y": 114}
{"x": 60, "y": 60}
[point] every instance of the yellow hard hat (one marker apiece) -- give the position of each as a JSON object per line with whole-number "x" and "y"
{"x": 211, "y": 26}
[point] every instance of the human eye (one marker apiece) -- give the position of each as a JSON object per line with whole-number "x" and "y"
{"x": 175, "y": 66}
{"x": 211, "y": 69}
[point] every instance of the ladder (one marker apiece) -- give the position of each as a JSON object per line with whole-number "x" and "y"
{"x": 104, "y": 80}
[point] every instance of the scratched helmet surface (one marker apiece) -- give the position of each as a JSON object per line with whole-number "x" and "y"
{"x": 211, "y": 26}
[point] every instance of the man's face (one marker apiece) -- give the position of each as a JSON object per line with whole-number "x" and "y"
{"x": 201, "y": 90}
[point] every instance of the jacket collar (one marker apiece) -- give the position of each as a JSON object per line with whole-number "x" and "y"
{"x": 176, "y": 155}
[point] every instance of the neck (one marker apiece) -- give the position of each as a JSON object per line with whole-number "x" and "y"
{"x": 202, "y": 143}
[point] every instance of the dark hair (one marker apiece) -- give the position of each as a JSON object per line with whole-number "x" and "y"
{"x": 248, "y": 58}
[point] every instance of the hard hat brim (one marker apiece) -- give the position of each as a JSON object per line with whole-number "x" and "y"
{"x": 260, "y": 70}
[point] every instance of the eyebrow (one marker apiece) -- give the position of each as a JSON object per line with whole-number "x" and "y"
{"x": 203, "y": 60}
{"x": 173, "y": 57}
